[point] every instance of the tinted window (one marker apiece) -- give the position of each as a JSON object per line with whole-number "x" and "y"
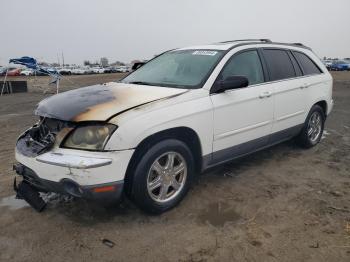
{"x": 245, "y": 64}
{"x": 296, "y": 66}
{"x": 279, "y": 64}
{"x": 309, "y": 67}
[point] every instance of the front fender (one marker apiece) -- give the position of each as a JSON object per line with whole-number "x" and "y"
{"x": 195, "y": 114}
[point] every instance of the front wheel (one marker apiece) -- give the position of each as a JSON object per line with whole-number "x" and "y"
{"x": 163, "y": 176}
{"x": 312, "y": 131}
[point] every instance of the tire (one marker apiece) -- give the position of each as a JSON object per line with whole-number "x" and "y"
{"x": 314, "y": 123}
{"x": 163, "y": 197}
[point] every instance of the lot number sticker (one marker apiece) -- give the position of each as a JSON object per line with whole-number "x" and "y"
{"x": 204, "y": 52}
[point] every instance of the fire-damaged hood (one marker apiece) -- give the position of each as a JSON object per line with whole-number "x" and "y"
{"x": 101, "y": 102}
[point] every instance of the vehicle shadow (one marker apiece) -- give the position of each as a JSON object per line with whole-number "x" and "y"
{"x": 87, "y": 213}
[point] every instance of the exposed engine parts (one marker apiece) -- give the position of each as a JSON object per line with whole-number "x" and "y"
{"x": 41, "y": 137}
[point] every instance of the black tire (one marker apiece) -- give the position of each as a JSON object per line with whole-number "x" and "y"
{"x": 303, "y": 139}
{"x": 139, "y": 191}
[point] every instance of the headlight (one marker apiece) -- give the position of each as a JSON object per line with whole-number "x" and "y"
{"x": 92, "y": 137}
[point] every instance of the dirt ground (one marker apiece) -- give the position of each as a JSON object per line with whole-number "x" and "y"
{"x": 280, "y": 204}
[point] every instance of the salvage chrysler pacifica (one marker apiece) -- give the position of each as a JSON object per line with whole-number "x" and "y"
{"x": 149, "y": 134}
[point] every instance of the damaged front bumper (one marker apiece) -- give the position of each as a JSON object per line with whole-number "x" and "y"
{"x": 83, "y": 167}
{"x": 46, "y": 167}
{"x": 97, "y": 176}
{"x": 106, "y": 193}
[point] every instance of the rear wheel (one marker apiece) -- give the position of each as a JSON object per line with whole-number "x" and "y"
{"x": 163, "y": 176}
{"x": 312, "y": 131}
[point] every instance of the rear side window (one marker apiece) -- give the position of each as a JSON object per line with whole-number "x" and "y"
{"x": 245, "y": 64}
{"x": 279, "y": 64}
{"x": 309, "y": 66}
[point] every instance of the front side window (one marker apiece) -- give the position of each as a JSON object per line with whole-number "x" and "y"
{"x": 180, "y": 68}
{"x": 245, "y": 64}
{"x": 279, "y": 64}
{"x": 309, "y": 67}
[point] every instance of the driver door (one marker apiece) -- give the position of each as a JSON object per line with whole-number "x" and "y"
{"x": 242, "y": 117}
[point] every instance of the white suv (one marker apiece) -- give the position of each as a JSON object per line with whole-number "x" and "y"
{"x": 184, "y": 111}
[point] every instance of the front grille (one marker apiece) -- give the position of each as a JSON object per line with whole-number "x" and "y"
{"x": 41, "y": 137}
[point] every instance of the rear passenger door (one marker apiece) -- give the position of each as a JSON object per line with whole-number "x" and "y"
{"x": 289, "y": 101}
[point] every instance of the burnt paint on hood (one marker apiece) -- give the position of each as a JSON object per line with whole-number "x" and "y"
{"x": 101, "y": 102}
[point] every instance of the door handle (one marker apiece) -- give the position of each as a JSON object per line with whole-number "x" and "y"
{"x": 265, "y": 94}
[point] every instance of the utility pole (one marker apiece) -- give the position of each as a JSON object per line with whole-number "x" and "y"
{"x": 62, "y": 59}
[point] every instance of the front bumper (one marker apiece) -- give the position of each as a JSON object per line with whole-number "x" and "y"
{"x": 89, "y": 175}
{"x": 83, "y": 167}
{"x": 106, "y": 193}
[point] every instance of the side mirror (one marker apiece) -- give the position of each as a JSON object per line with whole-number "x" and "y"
{"x": 231, "y": 82}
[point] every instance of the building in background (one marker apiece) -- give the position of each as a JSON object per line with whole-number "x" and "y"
{"x": 104, "y": 61}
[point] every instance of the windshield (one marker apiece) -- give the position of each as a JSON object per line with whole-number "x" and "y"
{"x": 179, "y": 68}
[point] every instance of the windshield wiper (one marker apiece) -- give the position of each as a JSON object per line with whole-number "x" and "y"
{"x": 140, "y": 83}
{"x": 156, "y": 84}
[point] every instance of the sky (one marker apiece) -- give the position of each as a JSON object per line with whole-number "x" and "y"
{"x": 125, "y": 30}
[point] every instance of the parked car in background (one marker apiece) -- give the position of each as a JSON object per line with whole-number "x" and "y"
{"x": 97, "y": 70}
{"x": 123, "y": 69}
{"x": 89, "y": 70}
{"x": 113, "y": 70}
{"x": 107, "y": 70}
{"x": 65, "y": 71}
{"x": 340, "y": 65}
{"x": 27, "y": 72}
{"x": 40, "y": 73}
{"x": 79, "y": 71}
{"x": 3, "y": 71}
{"x": 14, "y": 72}
{"x": 151, "y": 133}
{"x": 327, "y": 63}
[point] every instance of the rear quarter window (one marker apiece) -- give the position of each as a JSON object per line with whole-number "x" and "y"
{"x": 279, "y": 64}
{"x": 296, "y": 65}
{"x": 309, "y": 67}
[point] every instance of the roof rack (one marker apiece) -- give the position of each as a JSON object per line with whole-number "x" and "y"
{"x": 243, "y": 40}
{"x": 240, "y": 42}
{"x": 295, "y": 44}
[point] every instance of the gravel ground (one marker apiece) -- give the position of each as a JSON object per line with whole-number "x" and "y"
{"x": 280, "y": 204}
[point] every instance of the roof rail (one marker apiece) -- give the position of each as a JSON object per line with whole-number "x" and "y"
{"x": 295, "y": 44}
{"x": 243, "y": 40}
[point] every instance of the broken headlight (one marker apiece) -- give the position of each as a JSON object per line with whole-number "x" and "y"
{"x": 91, "y": 137}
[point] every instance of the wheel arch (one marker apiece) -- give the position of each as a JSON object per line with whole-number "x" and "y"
{"x": 323, "y": 104}
{"x": 184, "y": 134}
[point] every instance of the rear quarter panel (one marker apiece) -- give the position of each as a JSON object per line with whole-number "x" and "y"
{"x": 320, "y": 86}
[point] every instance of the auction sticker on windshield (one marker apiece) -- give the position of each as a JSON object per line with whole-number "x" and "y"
{"x": 204, "y": 52}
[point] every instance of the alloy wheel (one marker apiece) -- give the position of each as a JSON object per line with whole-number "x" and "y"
{"x": 166, "y": 177}
{"x": 314, "y": 128}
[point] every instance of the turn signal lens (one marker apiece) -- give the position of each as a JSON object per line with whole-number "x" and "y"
{"x": 104, "y": 189}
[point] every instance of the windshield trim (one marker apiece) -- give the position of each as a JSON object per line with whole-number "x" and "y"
{"x": 222, "y": 53}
